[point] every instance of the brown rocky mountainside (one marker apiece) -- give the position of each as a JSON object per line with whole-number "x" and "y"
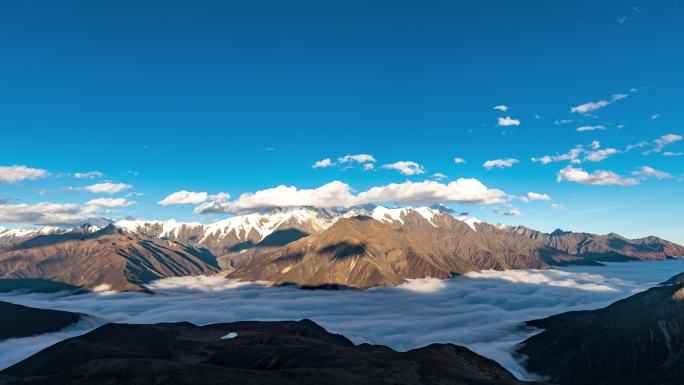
{"x": 611, "y": 247}
{"x": 363, "y": 252}
{"x": 245, "y": 353}
{"x": 636, "y": 341}
{"x": 23, "y": 321}
{"x": 105, "y": 257}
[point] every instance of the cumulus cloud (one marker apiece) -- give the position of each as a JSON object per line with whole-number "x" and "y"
{"x": 599, "y": 177}
{"x": 646, "y": 172}
{"x": 17, "y": 173}
{"x": 599, "y": 127}
{"x": 358, "y": 158}
{"x": 107, "y": 188}
{"x": 533, "y": 196}
{"x": 508, "y": 121}
{"x": 500, "y": 163}
{"x": 593, "y": 106}
{"x": 184, "y": 197}
{"x": 46, "y": 213}
{"x": 406, "y": 167}
{"x": 458, "y": 160}
{"x": 110, "y": 202}
{"x": 88, "y": 175}
{"x": 322, "y": 163}
{"x": 485, "y": 314}
{"x": 338, "y": 195}
{"x": 501, "y": 107}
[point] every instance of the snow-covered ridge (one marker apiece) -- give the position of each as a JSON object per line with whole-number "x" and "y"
{"x": 251, "y": 226}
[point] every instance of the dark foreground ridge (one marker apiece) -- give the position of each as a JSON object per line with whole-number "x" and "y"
{"x": 260, "y": 353}
{"x": 21, "y": 321}
{"x": 636, "y": 341}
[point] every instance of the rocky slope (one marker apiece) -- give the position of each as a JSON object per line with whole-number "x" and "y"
{"x": 105, "y": 259}
{"x": 23, "y": 321}
{"x": 367, "y": 251}
{"x": 636, "y": 341}
{"x": 611, "y": 247}
{"x": 245, "y": 353}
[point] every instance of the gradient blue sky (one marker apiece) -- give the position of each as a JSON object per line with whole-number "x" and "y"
{"x": 212, "y": 96}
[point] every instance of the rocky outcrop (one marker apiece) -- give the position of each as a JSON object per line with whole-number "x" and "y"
{"x": 246, "y": 353}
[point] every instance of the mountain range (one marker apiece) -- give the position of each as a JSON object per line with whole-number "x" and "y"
{"x": 361, "y": 248}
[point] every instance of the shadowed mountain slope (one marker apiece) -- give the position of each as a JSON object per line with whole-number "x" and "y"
{"x": 22, "y": 321}
{"x": 636, "y": 341}
{"x": 246, "y": 353}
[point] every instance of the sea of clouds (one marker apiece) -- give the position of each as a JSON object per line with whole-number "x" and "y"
{"x": 482, "y": 311}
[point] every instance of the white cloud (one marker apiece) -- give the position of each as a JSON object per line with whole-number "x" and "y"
{"x": 509, "y": 211}
{"x": 599, "y": 177}
{"x": 600, "y": 155}
{"x": 558, "y": 207}
{"x": 184, "y": 197}
{"x": 338, "y": 194}
{"x": 664, "y": 141}
{"x": 572, "y": 156}
{"x": 88, "y": 175}
{"x": 670, "y": 153}
{"x": 110, "y": 202}
{"x": 500, "y": 163}
{"x": 655, "y": 116}
{"x": 322, "y": 163}
{"x": 533, "y": 196}
{"x": 17, "y": 173}
{"x": 508, "y": 121}
{"x": 599, "y": 127}
{"x": 593, "y": 154}
{"x": 107, "y": 188}
{"x": 406, "y": 167}
{"x": 458, "y": 160}
{"x": 439, "y": 176}
{"x": 368, "y": 166}
{"x": 558, "y": 122}
{"x": 501, "y": 107}
{"x": 593, "y": 106}
{"x": 358, "y": 158}
{"x": 646, "y": 172}
{"x": 46, "y": 213}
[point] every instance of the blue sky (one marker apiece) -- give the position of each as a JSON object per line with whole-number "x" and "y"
{"x": 231, "y": 97}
